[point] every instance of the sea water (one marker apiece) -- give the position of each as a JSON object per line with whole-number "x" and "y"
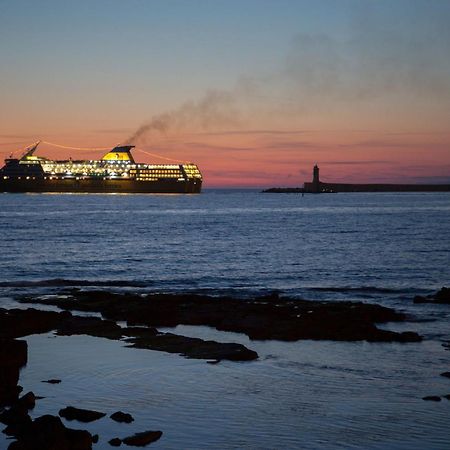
{"x": 375, "y": 247}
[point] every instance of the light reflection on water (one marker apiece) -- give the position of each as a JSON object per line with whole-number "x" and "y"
{"x": 373, "y": 247}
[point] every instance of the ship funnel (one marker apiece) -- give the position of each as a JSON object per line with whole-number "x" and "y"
{"x": 120, "y": 153}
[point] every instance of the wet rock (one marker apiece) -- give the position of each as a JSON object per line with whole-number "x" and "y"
{"x": 140, "y": 337}
{"x": 116, "y": 442}
{"x": 432, "y": 398}
{"x": 447, "y": 396}
{"x": 142, "y": 439}
{"x": 13, "y": 356}
{"x": 16, "y": 417}
{"x": 51, "y": 381}
{"x": 140, "y": 332}
{"x": 82, "y": 415}
{"x": 260, "y": 318}
{"x": 23, "y": 322}
{"x": 120, "y": 416}
{"x": 13, "y": 352}
{"x": 92, "y": 326}
{"x": 409, "y": 336}
{"x": 27, "y": 401}
{"x": 20, "y": 322}
{"x": 445, "y": 374}
{"x": 19, "y": 428}
{"x": 17, "y": 420}
{"x": 441, "y": 297}
{"x": 11, "y": 415}
{"x": 194, "y": 347}
{"x": 49, "y": 433}
{"x": 95, "y": 438}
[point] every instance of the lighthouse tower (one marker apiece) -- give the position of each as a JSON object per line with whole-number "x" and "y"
{"x": 316, "y": 182}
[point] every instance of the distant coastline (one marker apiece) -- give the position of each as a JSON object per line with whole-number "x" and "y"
{"x": 318, "y": 187}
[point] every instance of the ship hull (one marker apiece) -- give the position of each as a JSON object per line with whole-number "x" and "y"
{"x": 101, "y": 186}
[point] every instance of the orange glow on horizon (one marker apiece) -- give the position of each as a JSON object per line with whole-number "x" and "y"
{"x": 258, "y": 158}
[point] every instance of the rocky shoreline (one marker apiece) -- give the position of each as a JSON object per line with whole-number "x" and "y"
{"x": 260, "y": 318}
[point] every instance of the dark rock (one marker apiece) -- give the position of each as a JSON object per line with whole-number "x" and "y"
{"x": 142, "y": 439}
{"x": 447, "y": 396}
{"x": 116, "y": 442}
{"x": 92, "y": 326}
{"x": 16, "y": 417}
{"x": 79, "y": 439}
{"x": 12, "y": 415}
{"x": 260, "y": 318}
{"x": 95, "y": 438}
{"x": 409, "y": 336}
{"x": 48, "y": 432}
{"x": 445, "y": 374}
{"x": 48, "y": 424}
{"x": 20, "y": 322}
{"x": 140, "y": 332}
{"x": 27, "y": 401}
{"x": 441, "y": 297}
{"x": 82, "y": 415}
{"x": 17, "y": 420}
{"x": 13, "y": 352}
{"x": 23, "y": 322}
{"x": 19, "y": 428}
{"x": 13, "y": 356}
{"x": 120, "y": 416}
{"x": 432, "y": 398}
{"x": 140, "y": 337}
{"x": 51, "y": 381}
{"x": 195, "y": 348}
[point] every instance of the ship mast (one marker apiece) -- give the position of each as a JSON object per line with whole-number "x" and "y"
{"x": 30, "y": 150}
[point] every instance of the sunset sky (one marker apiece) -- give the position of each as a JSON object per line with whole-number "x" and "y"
{"x": 253, "y": 91}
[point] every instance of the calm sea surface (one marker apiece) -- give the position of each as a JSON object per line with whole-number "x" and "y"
{"x": 382, "y": 248}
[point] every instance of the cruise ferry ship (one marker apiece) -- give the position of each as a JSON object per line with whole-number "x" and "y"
{"x": 116, "y": 172}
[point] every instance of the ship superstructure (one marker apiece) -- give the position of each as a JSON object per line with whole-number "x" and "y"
{"x": 116, "y": 171}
